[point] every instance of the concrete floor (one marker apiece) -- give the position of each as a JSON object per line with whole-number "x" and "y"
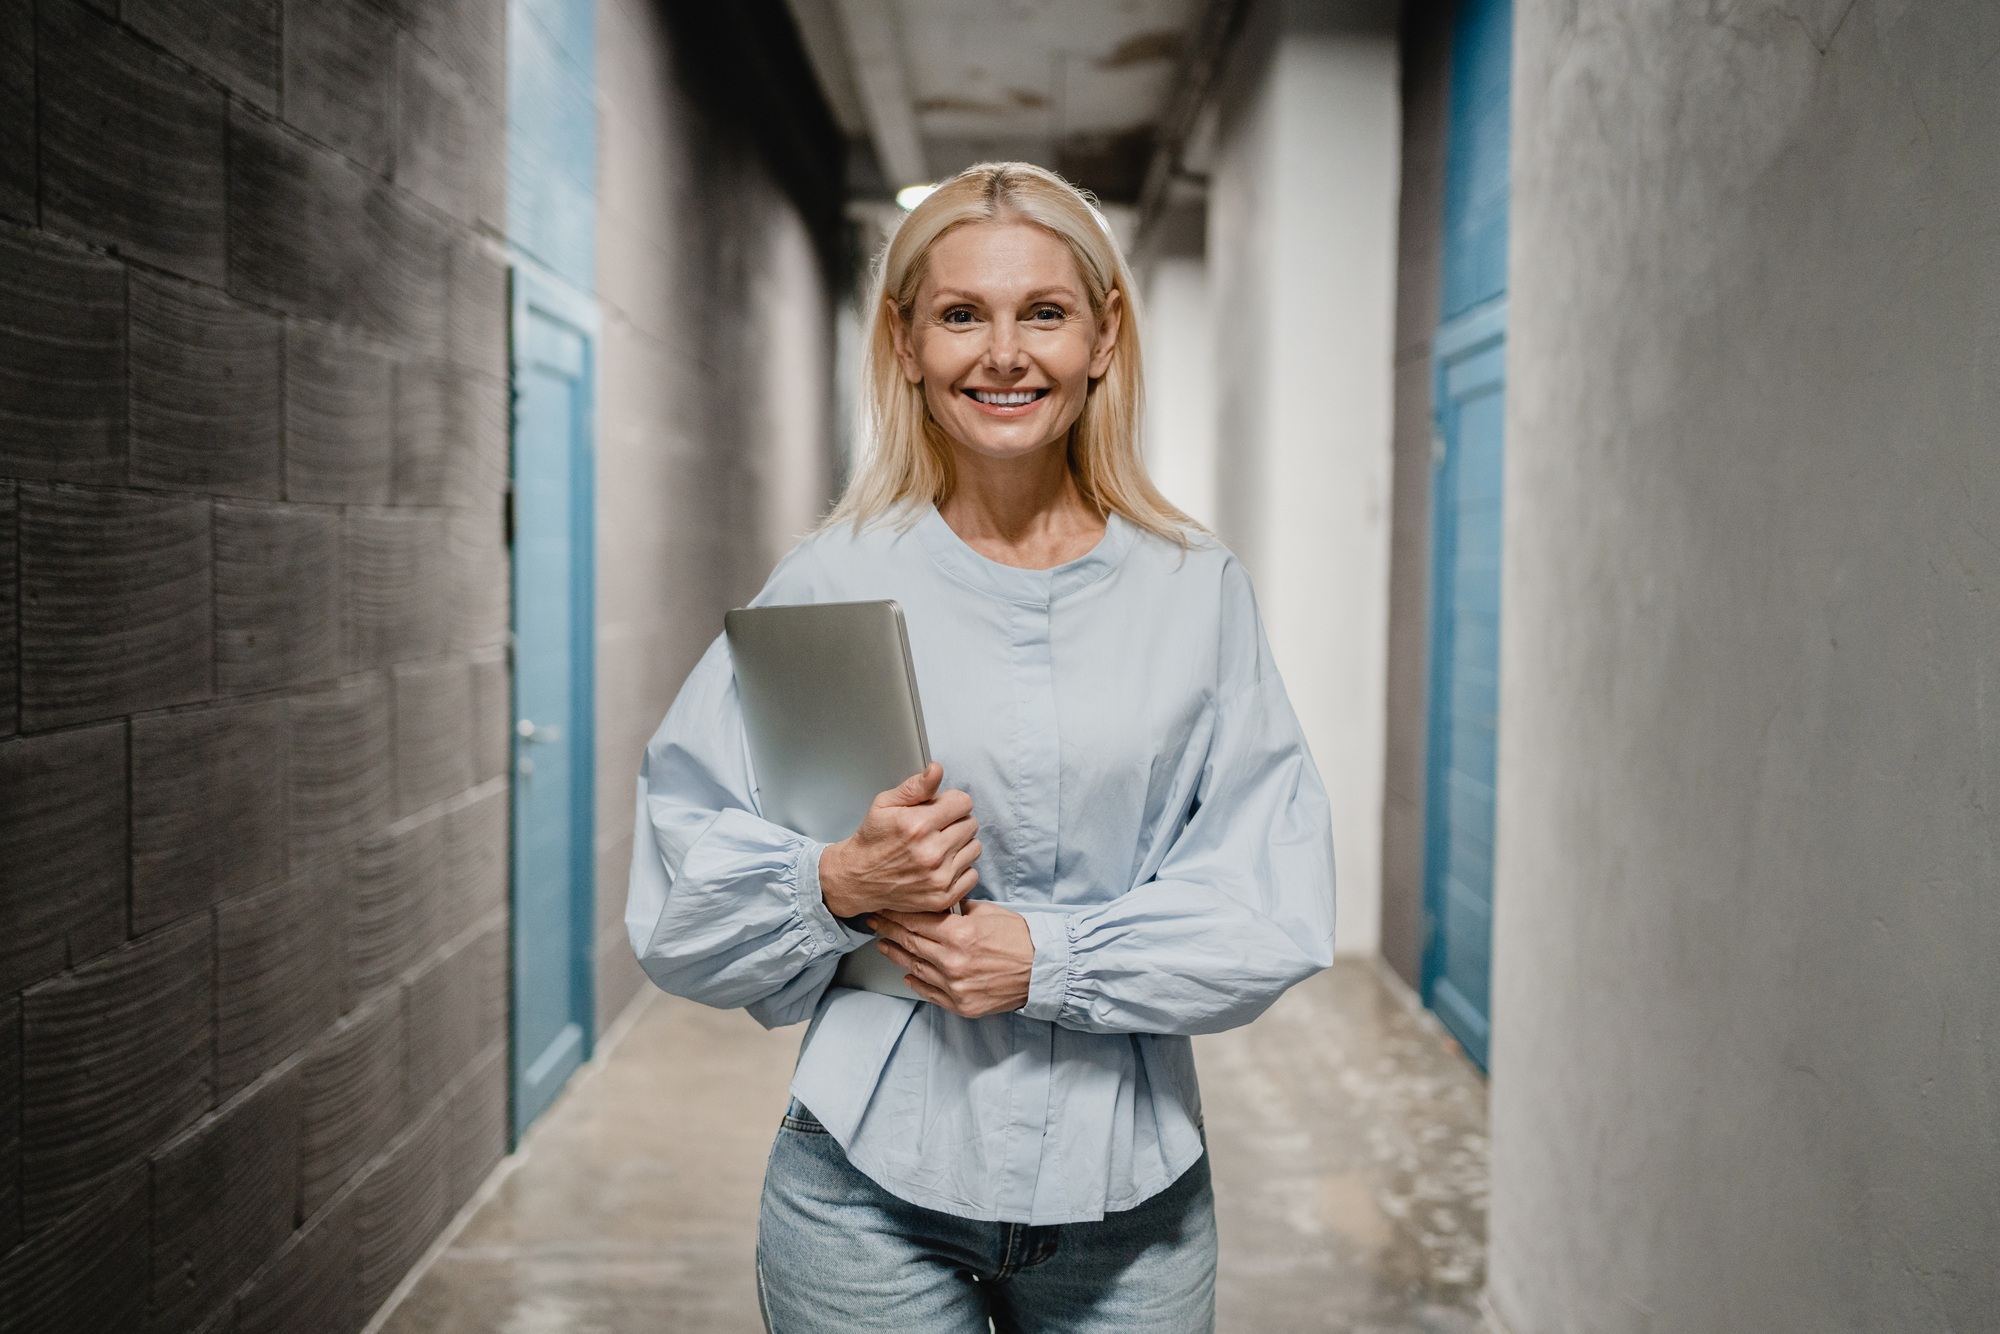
{"x": 1348, "y": 1143}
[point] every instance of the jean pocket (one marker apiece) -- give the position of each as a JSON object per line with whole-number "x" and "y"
{"x": 801, "y": 1120}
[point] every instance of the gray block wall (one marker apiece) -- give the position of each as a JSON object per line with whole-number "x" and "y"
{"x": 716, "y": 435}
{"x": 1748, "y": 883}
{"x": 253, "y": 608}
{"x": 1426, "y": 58}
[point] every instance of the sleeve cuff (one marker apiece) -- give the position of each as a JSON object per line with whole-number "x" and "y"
{"x": 827, "y": 931}
{"x": 1048, "y": 984}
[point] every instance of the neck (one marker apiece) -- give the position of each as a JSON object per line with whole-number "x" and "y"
{"x": 1026, "y": 512}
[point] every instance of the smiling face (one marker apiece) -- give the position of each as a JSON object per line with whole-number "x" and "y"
{"x": 1002, "y": 338}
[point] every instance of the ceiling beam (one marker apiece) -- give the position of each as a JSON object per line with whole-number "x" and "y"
{"x": 883, "y": 81}
{"x": 1201, "y": 65}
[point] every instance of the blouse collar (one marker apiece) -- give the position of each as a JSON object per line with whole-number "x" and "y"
{"x": 1038, "y": 588}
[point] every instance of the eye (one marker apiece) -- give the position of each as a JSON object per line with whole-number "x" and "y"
{"x": 1048, "y": 315}
{"x": 956, "y": 315}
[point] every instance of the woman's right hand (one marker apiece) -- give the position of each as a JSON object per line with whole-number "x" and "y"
{"x": 913, "y": 852}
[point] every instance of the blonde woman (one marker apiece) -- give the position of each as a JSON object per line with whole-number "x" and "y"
{"x": 1132, "y": 822}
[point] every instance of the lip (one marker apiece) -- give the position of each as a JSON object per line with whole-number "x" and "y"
{"x": 1005, "y": 409}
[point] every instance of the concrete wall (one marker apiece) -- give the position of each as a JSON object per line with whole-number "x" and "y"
{"x": 1179, "y": 341}
{"x": 716, "y": 437}
{"x": 1302, "y": 246}
{"x": 1426, "y": 61}
{"x": 1749, "y": 869}
{"x": 253, "y": 593}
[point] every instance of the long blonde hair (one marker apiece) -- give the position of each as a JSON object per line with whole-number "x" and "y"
{"x": 910, "y": 460}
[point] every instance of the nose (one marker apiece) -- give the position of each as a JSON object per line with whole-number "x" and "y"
{"x": 1003, "y": 350}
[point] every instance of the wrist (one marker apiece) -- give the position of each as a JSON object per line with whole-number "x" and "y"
{"x": 835, "y": 889}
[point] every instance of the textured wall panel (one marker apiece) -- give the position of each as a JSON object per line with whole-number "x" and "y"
{"x": 115, "y": 604}
{"x": 394, "y": 903}
{"x": 433, "y": 733}
{"x": 62, "y": 362}
{"x": 205, "y": 390}
{"x": 340, "y": 769}
{"x": 340, "y": 69}
{"x": 451, "y": 437}
{"x": 476, "y": 846}
{"x": 294, "y": 218}
{"x": 87, "y": 1273}
{"x": 405, "y": 286}
{"x": 400, "y": 1207}
{"x": 476, "y": 547}
{"x": 470, "y": 36}
{"x": 115, "y": 1058}
{"x": 223, "y": 1200}
{"x": 62, "y": 851}
{"x": 439, "y": 1016}
{"x": 316, "y": 235}
{"x": 17, "y": 109}
{"x": 308, "y": 1288}
{"x": 492, "y": 715}
{"x": 338, "y": 438}
{"x": 276, "y": 977}
{"x": 353, "y": 1099}
{"x": 131, "y": 145}
{"x": 277, "y": 596}
{"x": 478, "y": 1126}
{"x": 396, "y": 589}
{"x": 434, "y": 132}
{"x": 235, "y": 41}
{"x": 10, "y": 639}
{"x": 10, "y": 1123}
{"x": 208, "y": 808}
{"x": 476, "y": 335}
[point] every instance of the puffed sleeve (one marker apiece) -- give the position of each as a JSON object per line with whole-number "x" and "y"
{"x": 1240, "y": 909}
{"x": 723, "y": 906}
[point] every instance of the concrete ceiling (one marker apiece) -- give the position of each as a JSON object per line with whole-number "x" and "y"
{"x": 931, "y": 86}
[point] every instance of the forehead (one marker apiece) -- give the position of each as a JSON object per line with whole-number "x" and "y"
{"x": 1000, "y": 259}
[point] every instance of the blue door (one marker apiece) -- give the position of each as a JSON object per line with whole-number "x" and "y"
{"x": 553, "y": 630}
{"x": 1469, "y": 355}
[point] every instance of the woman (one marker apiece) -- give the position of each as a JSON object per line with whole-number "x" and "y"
{"x": 1134, "y": 829}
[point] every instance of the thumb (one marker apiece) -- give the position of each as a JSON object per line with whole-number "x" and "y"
{"x": 917, "y": 788}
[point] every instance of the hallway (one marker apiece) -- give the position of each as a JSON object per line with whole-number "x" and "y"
{"x": 1350, "y": 1186}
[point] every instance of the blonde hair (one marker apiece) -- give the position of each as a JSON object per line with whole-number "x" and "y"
{"x": 910, "y": 460}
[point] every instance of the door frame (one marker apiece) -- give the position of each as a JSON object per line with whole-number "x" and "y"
{"x": 1480, "y": 330}
{"x": 536, "y": 290}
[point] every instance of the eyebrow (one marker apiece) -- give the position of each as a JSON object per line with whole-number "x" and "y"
{"x": 1039, "y": 294}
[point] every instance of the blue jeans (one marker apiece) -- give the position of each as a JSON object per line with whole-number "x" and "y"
{"x": 837, "y": 1254}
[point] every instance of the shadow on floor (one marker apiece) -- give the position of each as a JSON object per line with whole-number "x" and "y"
{"x": 1348, "y": 1144}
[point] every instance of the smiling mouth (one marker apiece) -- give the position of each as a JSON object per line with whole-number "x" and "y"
{"x": 1006, "y": 398}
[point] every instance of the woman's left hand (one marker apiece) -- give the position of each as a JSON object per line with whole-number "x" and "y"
{"x": 973, "y": 963}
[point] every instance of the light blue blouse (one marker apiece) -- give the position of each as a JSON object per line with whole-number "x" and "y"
{"x": 1145, "y": 799}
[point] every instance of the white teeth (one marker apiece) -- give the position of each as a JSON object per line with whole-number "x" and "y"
{"x": 1015, "y": 399}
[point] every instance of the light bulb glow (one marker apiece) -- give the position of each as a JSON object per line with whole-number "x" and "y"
{"x": 912, "y": 195}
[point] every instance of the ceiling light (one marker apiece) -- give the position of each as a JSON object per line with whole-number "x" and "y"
{"x": 912, "y": 195}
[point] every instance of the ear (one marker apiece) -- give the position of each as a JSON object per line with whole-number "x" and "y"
{"x": 906, "y": 349}
{"x": 1107, "y": 333}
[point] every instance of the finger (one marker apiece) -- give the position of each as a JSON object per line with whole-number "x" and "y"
{"x": 915, "y": 926}
{"x": 968, "y": 880}
{"x": 909, "y": 963}
{"x": 949, "y": 807}
{"x": 916, "y": 789}
{"x": 909, "y": 942}
{"x": 925, "y": 991}
{"x": 965, "y": 857}
{"x": 956, "y": 835}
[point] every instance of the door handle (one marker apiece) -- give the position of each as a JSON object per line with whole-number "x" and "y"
{"x": 527, "y": 731}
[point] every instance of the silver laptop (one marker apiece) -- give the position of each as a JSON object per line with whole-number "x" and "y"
{"x": 830, "y": 704}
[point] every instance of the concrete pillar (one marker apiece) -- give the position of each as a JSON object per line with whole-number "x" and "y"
{"x": 1748, "y": 878}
